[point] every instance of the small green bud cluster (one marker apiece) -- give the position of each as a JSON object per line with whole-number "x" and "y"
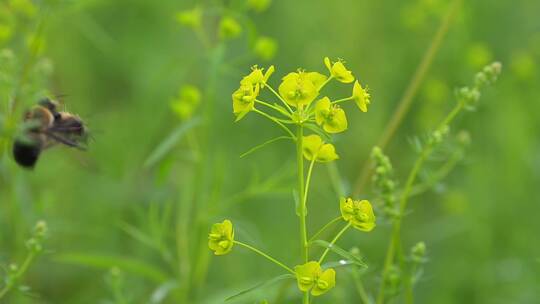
{"x": 463, "y": 138}
{"x": 35, "y": 243}
{"x": 394, "y": 280}
{"x": 488, "y": 76}
{"x": 12, "y": 271}
{"x": 437, "y": 136}
{"x": 231, "y": 25}
{"x": 383, "y": 182}
{"x": 35, "y": 247}
{"x": 418, "y": 253}
{"x": 191, "y": 18}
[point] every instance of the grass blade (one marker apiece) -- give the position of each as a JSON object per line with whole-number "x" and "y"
{"x": 168, "y": 144}
{"x": 127, "y": 264}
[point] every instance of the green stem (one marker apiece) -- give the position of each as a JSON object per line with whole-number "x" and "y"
{"x": 278, "y": 96}
{"x": 336, "y": 238}
{"x": 360, "y": 286}
{"x": 276, "y": 121}
{"x": 271, "y": 259}
{"x": 443, "y": 171}
{"x": 308, "y": 179}
{"x": 13, "y": 280}
{"x": 409, "y": 288}
{"x": 273, "y": 107}
{"x": 332, "y": 222}
{"x": 410, "y": 92}
{"x": 302, "y": 212}
{"x": 396, "y": 229}
{"x": 305, "y": 299}
{"x": 342, "y": 100}
{"x": 326, "y": 82}
{"x": 301, "y": 192}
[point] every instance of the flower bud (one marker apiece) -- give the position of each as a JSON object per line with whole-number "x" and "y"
{"x": 229, "y": 28}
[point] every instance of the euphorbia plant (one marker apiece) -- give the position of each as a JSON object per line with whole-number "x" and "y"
{"x": 300, "y": 107}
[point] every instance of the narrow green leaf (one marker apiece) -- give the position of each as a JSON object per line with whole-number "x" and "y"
{"x": 127, "y": 264}
{"x": 341, "y": 252}
{"x": 168, "y": 144}
{"x": 264, "y": 144}
{"x": 261, "y": 285}
{"x": 337, "y": 264}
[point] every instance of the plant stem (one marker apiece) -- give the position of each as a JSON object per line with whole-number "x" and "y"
{"x": 336, "y": 238}
{"x": 396, "y": 229}
{"x": 342, "y": 100}
{"x": 306, "y": 298}
{"x": 13, "y": 281}
{"x": 302, "y": 210}
{"x": 301, "y": 192}
{"x": 308, "y": 179}
{"x": 409, "y": 288}
{"x": 276, "y": 121}
{"x": 278, "y": 96}
{"x": 281, "y": 111}
{"x": 412, "y": 88}
{"x": 271, "y": 259}
{"x": 326, "y": 82}
{"x": 332, "y": 222}
{"x": 359, "y": 286}
{"x": 441, "y": 173}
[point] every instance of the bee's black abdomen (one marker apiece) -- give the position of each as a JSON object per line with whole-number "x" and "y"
{"x": 25, "y": 154}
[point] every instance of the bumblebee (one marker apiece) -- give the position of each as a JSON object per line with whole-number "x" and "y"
{"x": 44, "y": 126}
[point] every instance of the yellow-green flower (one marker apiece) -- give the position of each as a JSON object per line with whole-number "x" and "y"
{"x": 361, "y": 96}
{"x": 358, "y": 213}
{"x": 221, "y": 238}
{"x": 331, "y": 117}
{"x": 259, "y": 5}
{"x": 6, "y": 32}
{"x": 244, "y": 99}
{"x": 265, "y": 47}
{"x": 310, "y": 277}
{"x": 301, "y": 88}
{"x": 229, "y": 28}
{"x": 314, "y": 147}
{"x": 339, "y": 71}
{"x": 256, "y": 77}
{"x": 187, "y": 101}
{"x": 190, "y": 18}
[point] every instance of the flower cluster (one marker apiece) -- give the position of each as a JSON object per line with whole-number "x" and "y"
{"x": 221, "y": 238}
{"x": 187, "y": 101}
{"x": 358, "y": 213}
{"x": 470, "y": 96}
{"x": 300, "y": 105}
{"x": 231, "y": 24}
{"x": 311, "y": 278}
{"x": 35, "y": 243}
{"x": 299, "y": 94}
{"x": 316, "y": 150}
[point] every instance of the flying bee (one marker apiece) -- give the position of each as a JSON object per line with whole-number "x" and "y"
{"x": 44, "y": 127}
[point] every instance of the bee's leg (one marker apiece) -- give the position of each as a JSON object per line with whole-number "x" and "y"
{"x": 64, "y": 140}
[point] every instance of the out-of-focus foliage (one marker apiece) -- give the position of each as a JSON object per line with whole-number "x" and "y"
{"x": 116, "y": 213}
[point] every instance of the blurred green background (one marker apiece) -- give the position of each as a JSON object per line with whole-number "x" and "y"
{"x": 121, "y": 63}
